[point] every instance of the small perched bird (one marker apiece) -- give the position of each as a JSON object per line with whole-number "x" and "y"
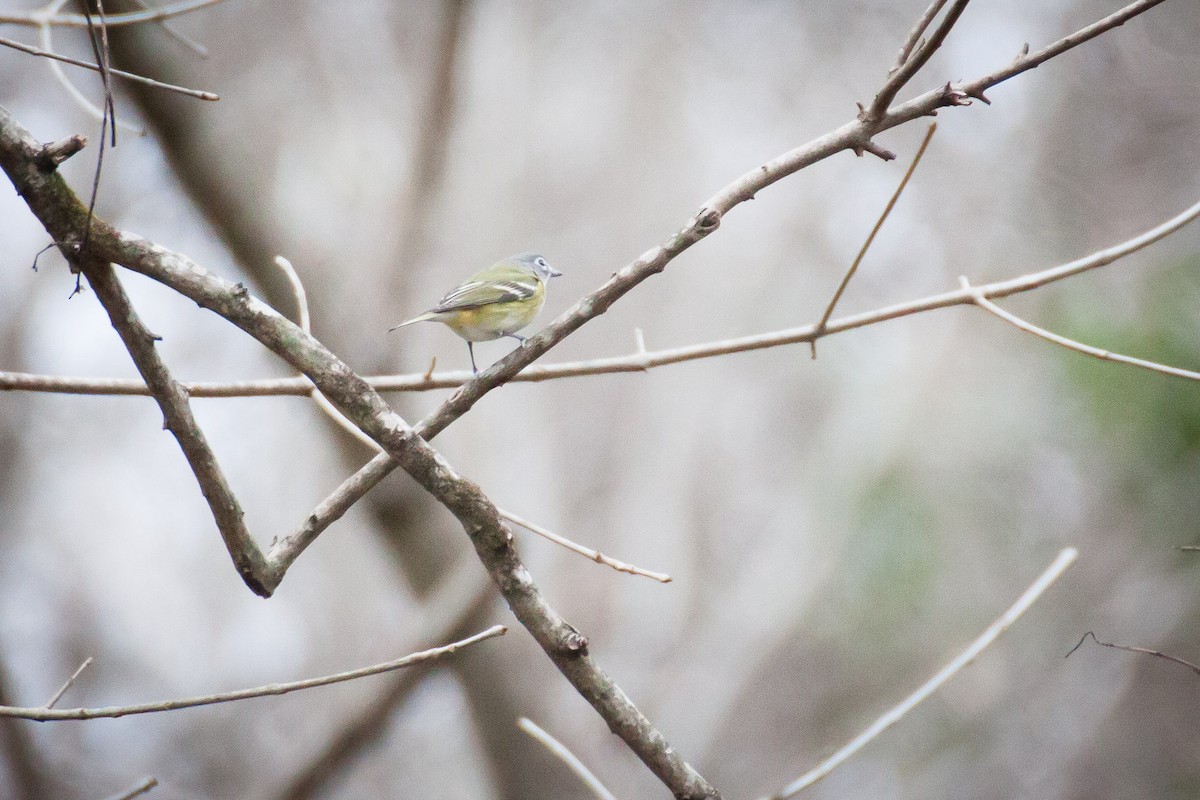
{"x": 497, "y": 302}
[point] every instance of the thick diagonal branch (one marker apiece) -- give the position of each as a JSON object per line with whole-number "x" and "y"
{"x": 179, "y": 420}
{"x": 63, "y": 216}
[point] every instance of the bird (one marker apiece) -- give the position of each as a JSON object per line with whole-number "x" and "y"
{"x": 493, "y": 303}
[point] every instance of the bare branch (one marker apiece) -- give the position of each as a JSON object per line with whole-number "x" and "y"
{"x": 356, "y": 486}
{"x": 862, "y": 252}
{"x": 639, "y": 361}
{"x": 914, "y": 36}
{"x": 305, "y": 320}
{"x": 854, "y": 135}
{"x": 55, "y": 153}
{"x": 1071, "y": 344}
{"x": 178, "y": 418}
{"x": 56, "y": 19}
{"x": 993, "y": 632}
{"x": 139, "y": 790}
{"x": 460, "y": 596}
{"x": 59, "y": 211}
{"x": 36, "y": 51}
{"x": 1130, "y": 648}
{"x": 587, "y": 552}
{"x": 560, "y": 751}
{"x": 53, "y": 701}
{"x": 71, "y": 89}
{"x": 913, "y": 60}
{"x": 172, "y": 31}
{"x": 110, "y": 712}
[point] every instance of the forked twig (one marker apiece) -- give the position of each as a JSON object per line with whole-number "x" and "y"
{"x": 1130, "y": 648}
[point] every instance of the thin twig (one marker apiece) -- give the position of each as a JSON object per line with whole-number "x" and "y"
{"x": 37, "y": 51}
{"x": 637, "y": 361}
{"x": 593, "y": 555}
{"x": 560, "y": 751}
{"x": 462, "y": 595}
{"x": 914, "y": 36}
{"x": 993, "y": 632}
{"x": 914, "y": 60}
{"x": 139, "y": 790}
{"x": 55, "y": 153}
{"x": 862, "y": 252}
{"x": 53, "y": 701}
{"x": 54, "y": 18}
{"x": 101, "y": 53}
{"x": 61, "y": 76}
{"x": 1071, "y": 344}
{"x": 1130, "y": 648}
{"x": 172, "y": 31}
{"x": 270, "y": 690}
{"x": 305, "y": 320}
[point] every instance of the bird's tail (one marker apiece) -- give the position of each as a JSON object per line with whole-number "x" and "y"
{"x": 418, "y": 318}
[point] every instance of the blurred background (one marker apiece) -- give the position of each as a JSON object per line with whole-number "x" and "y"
{"x": 837, "y": 529}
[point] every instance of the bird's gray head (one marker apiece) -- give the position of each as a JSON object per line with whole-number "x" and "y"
{"x": 536, "y": 264}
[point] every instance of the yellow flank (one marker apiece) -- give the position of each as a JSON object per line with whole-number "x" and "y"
{"x": 493, "y": 303}
{"x": 494, "y": 320}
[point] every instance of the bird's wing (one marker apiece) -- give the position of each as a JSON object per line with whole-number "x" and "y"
{"x": 473, "y": 294}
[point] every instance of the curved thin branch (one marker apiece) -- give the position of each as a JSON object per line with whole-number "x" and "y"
{"x": 1064, "y": 559}
{"x": 560, "y": 751}
{"x": 1079, "y": 347}
{"x": 57, "y": 19}
{"x": 44, "y": 714}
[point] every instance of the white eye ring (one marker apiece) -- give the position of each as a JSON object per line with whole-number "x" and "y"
{"x": 541, "y": 262}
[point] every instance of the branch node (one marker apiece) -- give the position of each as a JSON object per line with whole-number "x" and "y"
{"x": 878, "y": 150}
{"x": 980, "y": 96}
{"x": 957, "y": 97}
{"x": 54, "y": 153}
{"x": 707, "y": 221}
{"x": 574, "y": 644}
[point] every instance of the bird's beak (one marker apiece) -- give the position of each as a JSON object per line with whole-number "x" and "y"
{"x": 555, "y": 273}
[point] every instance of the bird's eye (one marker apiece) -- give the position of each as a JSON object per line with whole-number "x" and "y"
{"x": 541, "y": 262}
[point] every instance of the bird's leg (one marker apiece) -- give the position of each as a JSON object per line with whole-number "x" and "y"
{"x": 471, "y": 350}
{"x": 520, "y": 339}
